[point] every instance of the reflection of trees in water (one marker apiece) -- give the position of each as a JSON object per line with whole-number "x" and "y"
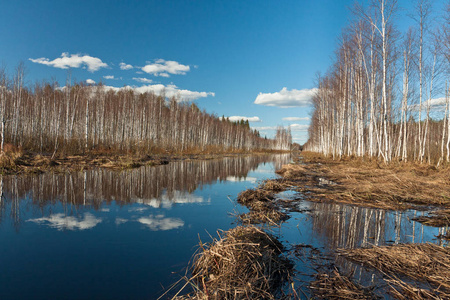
{"x": 345, "y": 226}
{"x": 350, "y": 226}
{"x": 157, "y": 186}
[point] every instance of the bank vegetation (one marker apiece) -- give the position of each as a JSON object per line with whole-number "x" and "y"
{"x": 386, "y": 95}
{"x": 81, "y": 119}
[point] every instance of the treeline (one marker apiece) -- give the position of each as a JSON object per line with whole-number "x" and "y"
{"x": 379, "y": 96}
{"x": 81, "y": 118}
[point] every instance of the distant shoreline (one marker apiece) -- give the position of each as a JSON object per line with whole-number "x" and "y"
{"x": 35, "y": 163}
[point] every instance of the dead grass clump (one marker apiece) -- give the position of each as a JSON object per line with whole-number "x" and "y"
{"x": 273, "y": 186}
{"x": 262, "y": 209}
{"x": 254, "y": 195}
{"x": 439, "y": 218}
{"x": 10, "y": 158}
{"x": 245, "y": 263}
{"x": 271, "y": 216}
{"x": 291, "y": 171}
{"x": 337, "y": 286}
{"x": 405, "y": 291}
{"x": 421, "y": 262}
{"x": 41, "y": 161}
{"x": 7, "y": 162}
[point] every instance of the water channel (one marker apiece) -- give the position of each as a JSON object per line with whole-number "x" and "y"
{"x": 102, "y": 234}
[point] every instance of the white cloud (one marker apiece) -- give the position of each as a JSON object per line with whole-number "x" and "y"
{"x": 299, "y": 127}
{"x": 296, "y": 119}
{"x": 142, "y": 79}
{"x": 437, "y": 104}
{"x": 263, "y": 128}
{"x": 163, "y": 68}
{"x": 109, "y": 77}
{"x": 294, "y": 127}
{"x": 124, "y": 66}
{"x": 72, "y": 61}
{"x": 60, "y": 222}
{"x": 158, "y": 222}
{"x": 90, "y": 81}
{"x": 285, "y": 98}
{"x": 250, "y": 119}
{"x": 169, "y": 91}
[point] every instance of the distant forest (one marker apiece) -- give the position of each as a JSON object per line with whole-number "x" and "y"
{"x": 387, "y": 93}
{"x": 82, "y": 118}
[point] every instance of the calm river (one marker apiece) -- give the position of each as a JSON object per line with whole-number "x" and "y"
{"x": 102, "y": 234}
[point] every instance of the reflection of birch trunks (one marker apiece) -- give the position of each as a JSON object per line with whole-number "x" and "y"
{"x": 350, "y": 227}
{"x": 160, "y": 186}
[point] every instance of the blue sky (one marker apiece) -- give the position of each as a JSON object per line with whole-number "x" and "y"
{"x": 224, "y": 55}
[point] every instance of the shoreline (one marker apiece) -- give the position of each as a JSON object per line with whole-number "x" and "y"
{"x": 352, "y": 182}
{"x": 36, "y": 163}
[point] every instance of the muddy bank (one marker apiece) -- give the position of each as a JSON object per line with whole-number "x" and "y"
{"x": 22, "y": 163}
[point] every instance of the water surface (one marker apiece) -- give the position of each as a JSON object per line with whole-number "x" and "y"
{"x": 101, "y": 234}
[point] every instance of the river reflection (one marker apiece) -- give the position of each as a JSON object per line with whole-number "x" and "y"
{"x": 321, "y": 228}
{"x": 102, "y": 234}
{"x": 158, "y": 187}
{"x": 346, "y": 226}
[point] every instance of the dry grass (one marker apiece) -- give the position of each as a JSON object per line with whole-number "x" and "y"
{"x": 426, "y": 263}
{"x": 245, "y": 263}
{"x": 10, "y": 160}
{"x": 251, "y": 197}
{"x": 405, "y": 291}
{"x": 367, "y": 182}
{"x": 271, "y": 216}
{"x": 337, "y": 286}
{"x": 439, "y": 218}
{"x": 262, "y": 208}
{"x": 274, "y": 185}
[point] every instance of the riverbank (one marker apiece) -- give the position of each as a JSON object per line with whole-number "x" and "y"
{"x": 352, "y": 182}
{"x": 23, "y": 163}
{"x": 413, "y": 271}
{"x": 368, "y": 183}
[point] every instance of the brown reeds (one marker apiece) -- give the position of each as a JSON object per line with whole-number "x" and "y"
{"x": 438, "y": 218}
{"x": 405, "y": 291}
{"x": 337, "y": 286}
{"x": 262, "y": 208}
{"x": 243, "y": 263}
{"x": 426, "y": 263}
{"x": 253, "y": 196}
{"x": 270, "y": 216}
{"x": 10, "y": 160}
{"x": 367, "y": 182}
{"x": 274, "y": 185}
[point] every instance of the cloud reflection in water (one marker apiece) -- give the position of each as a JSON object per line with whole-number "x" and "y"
{"x": 63, "y": 222}
{"x": 158, "y": 222}
{"x": 168, "y": 200}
